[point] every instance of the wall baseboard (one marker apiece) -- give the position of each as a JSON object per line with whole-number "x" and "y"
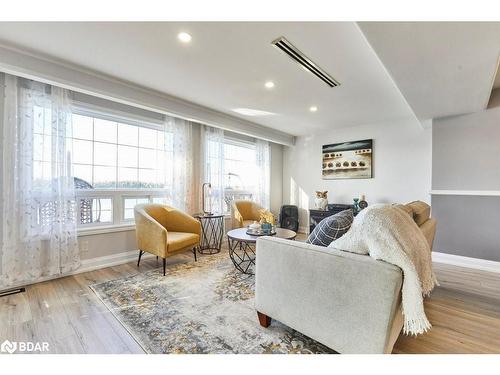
{"x": 109, "y": 261}
{"x": 304, "y": 230}
{"x": 466, "y": 262}
{"x": 93, "y": 264}
{"x": 479, "y": 193}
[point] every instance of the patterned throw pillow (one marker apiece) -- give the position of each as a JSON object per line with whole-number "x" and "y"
{"x": 331, "y": 228}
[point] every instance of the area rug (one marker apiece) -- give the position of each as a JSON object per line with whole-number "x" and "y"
{"x": 198, "y": 307}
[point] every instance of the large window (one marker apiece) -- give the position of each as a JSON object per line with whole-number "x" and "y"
{"x": 111, "y": 154}
{"x": 240, "y": 171}
{"x": 116, "y": 164}
{"x": 237, "y": 167}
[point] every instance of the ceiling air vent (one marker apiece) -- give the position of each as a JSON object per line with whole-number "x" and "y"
{"x": 288, "y": 48}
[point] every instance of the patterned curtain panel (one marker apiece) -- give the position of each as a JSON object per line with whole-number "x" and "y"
{"x": 212, "y": 143}
{"x": 182, "y": 194}
{"x": 263, "y": 164}
{"x": 38, "y": 197}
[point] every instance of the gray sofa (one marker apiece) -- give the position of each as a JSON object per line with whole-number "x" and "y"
{"x": 348, "y": 302}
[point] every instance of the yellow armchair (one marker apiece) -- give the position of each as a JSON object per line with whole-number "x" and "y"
{"x": 164, "y": 231}
{"x": 244, "y": 213}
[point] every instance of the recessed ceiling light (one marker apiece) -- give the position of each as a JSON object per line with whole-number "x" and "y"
{"x": 269, "y": 84}
{"x": 313, "y": 108}
{"x": 184, "y": 37}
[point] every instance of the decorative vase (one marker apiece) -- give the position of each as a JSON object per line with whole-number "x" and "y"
{"x": 356, "y": 205}
{"x": 266, "y": 227}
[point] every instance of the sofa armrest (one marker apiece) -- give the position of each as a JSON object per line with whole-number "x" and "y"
{"x": 345, "y": 301}
{"x": 151, "y": 235}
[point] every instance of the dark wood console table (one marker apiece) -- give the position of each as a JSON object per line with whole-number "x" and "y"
{"x": 315, "y": 216}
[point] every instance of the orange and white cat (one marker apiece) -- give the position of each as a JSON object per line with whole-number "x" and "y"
{"x": 321, "y": 200}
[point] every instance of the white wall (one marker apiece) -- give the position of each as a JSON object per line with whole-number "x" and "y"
{"x": 402, "y": 158}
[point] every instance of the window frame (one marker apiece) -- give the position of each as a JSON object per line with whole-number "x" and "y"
{"x": 117, "y": 195}
{"x": 235, "y": 141}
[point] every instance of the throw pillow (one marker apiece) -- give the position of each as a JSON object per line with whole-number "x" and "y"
{"x": 331, "y": 228}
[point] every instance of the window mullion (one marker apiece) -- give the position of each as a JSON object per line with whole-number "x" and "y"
{"x": 117, "y": 207}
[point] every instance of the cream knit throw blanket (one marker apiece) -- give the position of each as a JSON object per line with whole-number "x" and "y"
{"x": 388, "y": 233}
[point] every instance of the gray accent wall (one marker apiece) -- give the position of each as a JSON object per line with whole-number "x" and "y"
{"x": 466, "y": 152}
{"x": 466, "y": 156}
{"x": 467, "y": 226}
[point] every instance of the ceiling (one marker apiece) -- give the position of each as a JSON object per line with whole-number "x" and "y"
{"x": 388, "y": 71}
{"x": 442, "y": 68}
{"x": 226, "y": 65}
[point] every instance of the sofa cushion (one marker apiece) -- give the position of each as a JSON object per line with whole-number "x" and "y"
{"x": 421, "y": 211}
{"x": 331, "y": 228}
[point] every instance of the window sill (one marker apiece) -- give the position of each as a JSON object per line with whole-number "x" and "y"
{"x": 105, "y": 229}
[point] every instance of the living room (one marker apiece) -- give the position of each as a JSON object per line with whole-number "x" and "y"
{"x": 261, "y": 187}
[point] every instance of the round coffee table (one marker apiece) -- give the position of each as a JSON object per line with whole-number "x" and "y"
{"x": 242, "y": 247}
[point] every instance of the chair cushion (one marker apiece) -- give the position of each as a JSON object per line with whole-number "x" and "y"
{"x": 180, "y": 240}
{"x": 331, "y": 228}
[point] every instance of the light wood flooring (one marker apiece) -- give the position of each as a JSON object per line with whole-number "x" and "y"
{"x": 464, "y": 311}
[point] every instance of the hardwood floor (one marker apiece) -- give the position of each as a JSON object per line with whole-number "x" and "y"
{"x": 464, "y": 311}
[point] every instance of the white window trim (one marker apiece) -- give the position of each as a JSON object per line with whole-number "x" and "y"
{"x": 115, "y": 116}
{"x": 91, "y": 231}
{"x": 118, "y": 207}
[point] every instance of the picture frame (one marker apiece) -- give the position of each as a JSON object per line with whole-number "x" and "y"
{"x": 347, "y": 160}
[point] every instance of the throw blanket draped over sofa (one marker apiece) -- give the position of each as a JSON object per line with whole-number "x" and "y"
{"x": 388, "y": 233}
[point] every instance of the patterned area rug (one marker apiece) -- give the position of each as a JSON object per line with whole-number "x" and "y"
{"x": 199, "y": 307}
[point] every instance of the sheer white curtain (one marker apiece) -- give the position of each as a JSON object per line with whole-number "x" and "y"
{"x": 212, "y": 161}
{"x": 263, "y": 164}
{"x": 180, "y": 133}
{"x": 38, "y": 210}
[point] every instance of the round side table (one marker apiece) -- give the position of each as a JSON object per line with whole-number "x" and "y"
{"x": 212, "y": 231}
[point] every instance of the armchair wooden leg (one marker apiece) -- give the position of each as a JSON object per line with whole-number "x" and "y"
{"x": 140, "y": 255}
{"x": 264, "y": 320}
{"x": 164, "y": 265}
{"x": 194, "y": 252}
